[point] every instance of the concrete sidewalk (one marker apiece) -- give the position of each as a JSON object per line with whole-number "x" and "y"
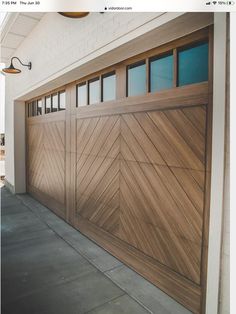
{"x": 48, "y": 267}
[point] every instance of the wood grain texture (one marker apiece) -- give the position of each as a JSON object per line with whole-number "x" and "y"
{"x": 184, "y": 96}
{"x": 140, "y": 177}
{"x": 46, "y": 159}
{"x": 140, "y": 193}
{"x": 98, "y": 164}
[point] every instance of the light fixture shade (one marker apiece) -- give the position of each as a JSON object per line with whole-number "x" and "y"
{"x": 74, "y": 15}
{"x": 11, "y": 69}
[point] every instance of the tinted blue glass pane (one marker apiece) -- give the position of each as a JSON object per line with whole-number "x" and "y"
{"x": 137, "y": 80}
{"x": 94, "y": 92}
{"x": 161, "y": 73}
{"x": 82, "y": 95}
{"x": 109, "y": 87}
{"x": 193, "y": 65}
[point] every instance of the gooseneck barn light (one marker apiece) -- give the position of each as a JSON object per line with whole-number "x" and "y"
{"x": 74, "y": 15}
{"x": 12, "y": 70}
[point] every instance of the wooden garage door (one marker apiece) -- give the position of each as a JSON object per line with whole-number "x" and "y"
{"x": 133, "y": 175}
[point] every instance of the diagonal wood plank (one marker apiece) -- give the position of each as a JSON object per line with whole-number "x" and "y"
{"x": 167, "y": 152}
{"x": 188, "y": 131}
{"x": 47, "y": 159}
{"x": 145, "y": 145}
{"x": 184, "y": 151}
{"x": 162, "y": 246}
{"x": 197, "y": 115}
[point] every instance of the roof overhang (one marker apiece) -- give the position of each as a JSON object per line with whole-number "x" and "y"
{"x": 15, "y": 27}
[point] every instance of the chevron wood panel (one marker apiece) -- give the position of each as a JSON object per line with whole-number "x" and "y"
{"x": 46, "y": 159}
{"x": 141, "y": 177}
{"x": 35, "y": 156}
{"x": 154, "y": 218}
{"x": 162, "y": 186}
{"x": 98, "y": 148}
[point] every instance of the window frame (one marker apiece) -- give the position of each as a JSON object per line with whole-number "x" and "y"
{"x": 34, "y": 108}
{"x": 84, "y": 83}
{"x": 37, "y": 101}
{"x": 157, "y": 57}
{"x": 59, "y": 103}
{"x": 186, "y": 47}
{"x": 105, "y": 75}
{"x": 29, "y": 109}
{"x": 45, "y": 99}
{"x": 52, "y": 108}
{"x": 131, "y": 66}
{"x": 120, "y": 70}
{"x": 97, "y": 78}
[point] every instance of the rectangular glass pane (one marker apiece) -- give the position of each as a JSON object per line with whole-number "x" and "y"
{"x": 161, "y": 73}
{"x": 94, "y": 91}
{"x": 109, "y": 87}
{"x": 62, "y": 100}
{"x": 82, "y": 94}
{"x": 54, "y": 102}
{"x": 193, "y": 65}
{"x": 48, "y": 104}
{"x": 39, "y": 107}
{"x": 137, "y": 79}
{"x": 29, "y": 110}
{"x": 34, "y": 108}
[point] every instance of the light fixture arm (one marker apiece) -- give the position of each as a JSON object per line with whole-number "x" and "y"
{"x": 29, "y": 65}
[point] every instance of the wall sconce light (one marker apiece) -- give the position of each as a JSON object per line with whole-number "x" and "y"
{"x": 12, "y": 70}
{"x": 74, "y": 15}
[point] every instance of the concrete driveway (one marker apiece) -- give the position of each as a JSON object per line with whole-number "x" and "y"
{"x": 48, "y": 267}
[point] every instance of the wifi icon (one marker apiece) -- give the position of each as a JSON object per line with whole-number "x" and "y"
{"x": 214, "y": 2}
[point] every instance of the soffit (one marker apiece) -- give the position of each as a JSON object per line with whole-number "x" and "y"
{"x": 14, "y": 29}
